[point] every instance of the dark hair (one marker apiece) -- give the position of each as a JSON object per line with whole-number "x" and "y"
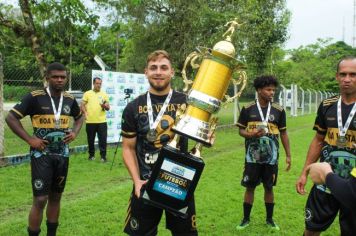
{"x": 157, "y": 54}
{"x": 344, "y": 58}
{"x": 95, "y": 78}
{"x": 264, "y": 81}
{"x": 55, "y": 66}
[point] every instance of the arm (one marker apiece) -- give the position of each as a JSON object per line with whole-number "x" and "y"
{"x": 342, "y": 189}
{"x": 312, "y": 156}
{"x": 130, "y": 160}
{"x": 285, "y": 142}
{"x": 83, "y": 108}
{"x": 75, "y": 131}
{"x": 253, "y": 134}
{"x": 105, "y": 106}
{"x": 16, "y": 126}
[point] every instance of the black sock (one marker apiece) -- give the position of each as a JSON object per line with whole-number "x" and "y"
{"x": 269, "y": 210}
{"x": 247, "y": 210}
{"x": 51, "y": 228}
{"x": 33, "y": 233}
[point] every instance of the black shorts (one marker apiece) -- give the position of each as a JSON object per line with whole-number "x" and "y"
{"x": 143, "y": 219}
{"x": 255, "y": 173}
{"x": 321, "y": 210}
{"x": 49, "y": 174}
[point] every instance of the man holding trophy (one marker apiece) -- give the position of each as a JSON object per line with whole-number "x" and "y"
{"x": 146, "y": 128}
{"x": 261, "y": 122}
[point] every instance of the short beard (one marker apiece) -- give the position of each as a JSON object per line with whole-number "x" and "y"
{"x": 158, "y": 88}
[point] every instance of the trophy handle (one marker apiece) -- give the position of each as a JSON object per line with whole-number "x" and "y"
{"x": 192, "y": 57}
{"x": 242, "y": 79}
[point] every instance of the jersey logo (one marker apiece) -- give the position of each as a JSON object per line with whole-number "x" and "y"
{"x": 151, "y": 158}
{"x": 66, "y": 109}
{"x": 134, "y": 223}
{"x": 38, "y": 184}
{"x": 308, "y": 214}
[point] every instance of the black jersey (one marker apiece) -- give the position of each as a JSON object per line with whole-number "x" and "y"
{"x": 135, "y": 123}
{"x": 266, "y": 148}
{"x": 343, "y": 160}
{"x": 37, "y": 105}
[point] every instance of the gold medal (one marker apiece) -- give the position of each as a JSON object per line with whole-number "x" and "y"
{"x": 341, "y": 142}
{"x": 151, "y": 135}
{"x": 57, "y": 124}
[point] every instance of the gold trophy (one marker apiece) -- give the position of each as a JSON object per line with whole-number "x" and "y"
{"x": 176, "y": 174}
{"x": 218, "y": 66}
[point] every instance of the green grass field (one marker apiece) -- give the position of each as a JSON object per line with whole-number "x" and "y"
{"x": 95, "y": 200}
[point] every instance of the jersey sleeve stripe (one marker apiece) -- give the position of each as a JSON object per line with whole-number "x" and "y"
{"x": 128, "y": 134}
{"x": 241, "y": 125}
{"x": 317, "y": 127}
{"x": 17, "y": 112}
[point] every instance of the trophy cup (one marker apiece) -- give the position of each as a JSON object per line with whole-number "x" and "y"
{"x": 176, "y": 174}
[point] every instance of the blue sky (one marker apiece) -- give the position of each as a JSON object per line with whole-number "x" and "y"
{"x": 313, "y": 19}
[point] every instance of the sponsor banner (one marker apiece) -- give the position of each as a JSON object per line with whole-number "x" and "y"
{"x": 115, "y": 84}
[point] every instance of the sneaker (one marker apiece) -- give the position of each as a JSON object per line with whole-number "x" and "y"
{"x": 91, "y": 158}
{"x": 244, "y": 223}
{"x": 270, "y": 223}
{"x": 103, "y": 159}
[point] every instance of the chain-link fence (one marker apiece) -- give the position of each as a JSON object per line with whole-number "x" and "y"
{"x": 298, "y": 101}
{"x": 19, "y": 81}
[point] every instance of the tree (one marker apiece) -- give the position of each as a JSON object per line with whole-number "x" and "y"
{"x": 26, "y": 30}
{"x": 61, "y": 29}
{"x": 179, "y": 26}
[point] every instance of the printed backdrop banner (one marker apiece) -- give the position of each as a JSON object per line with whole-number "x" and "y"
{"x": 118, "y": 86}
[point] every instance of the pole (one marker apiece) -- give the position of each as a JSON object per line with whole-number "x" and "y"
{"x": 127, "y": 97}
{"x": 2, "y": 128}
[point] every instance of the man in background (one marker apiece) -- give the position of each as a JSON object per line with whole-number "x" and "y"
{"x": 94, "y": 105}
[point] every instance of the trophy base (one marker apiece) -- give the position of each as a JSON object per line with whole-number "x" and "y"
{"x": 173, "y": 181}
{"x": 194, "y": 129}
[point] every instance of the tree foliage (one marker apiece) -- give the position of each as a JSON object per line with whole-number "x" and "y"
{"x": 314, "y": 65}
{"x": 179, "y": 26}
{"x": 54, "y": 30}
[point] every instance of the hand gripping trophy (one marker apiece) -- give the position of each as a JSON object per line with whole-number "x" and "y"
{"x": 176, "y": 174}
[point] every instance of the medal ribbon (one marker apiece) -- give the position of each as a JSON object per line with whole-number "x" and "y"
{"x": 154, "y": 124}
{"x": 343, "y": 129}
{"x": 57, "y": 113}
{"x": 264, "y": 120}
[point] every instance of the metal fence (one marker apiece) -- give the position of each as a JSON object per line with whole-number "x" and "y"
{"x": 299, "y": 101}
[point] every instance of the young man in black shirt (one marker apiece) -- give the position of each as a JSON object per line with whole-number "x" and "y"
{"x": 334, "y": 142}
{"x": 146, "y": 128}
{"x": 261, "y": 122}
{"x": 50, "y": 110}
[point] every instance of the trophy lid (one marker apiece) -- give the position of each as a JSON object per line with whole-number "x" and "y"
{"x": 225, "y": 47}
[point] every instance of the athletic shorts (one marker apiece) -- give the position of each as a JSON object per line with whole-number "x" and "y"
{"x": 255, "y": 173}
{"x": 143, "y": 219}
{"x": 49, "y": 174}
{"x": 322, "y": 208}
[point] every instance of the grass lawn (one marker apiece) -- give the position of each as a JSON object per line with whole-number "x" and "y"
{"x": 95, "y": 200}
